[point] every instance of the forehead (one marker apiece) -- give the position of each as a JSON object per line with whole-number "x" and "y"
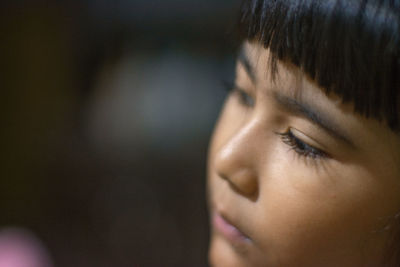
{"x": 371, "y": 136}
{"x": 255, "y": 66}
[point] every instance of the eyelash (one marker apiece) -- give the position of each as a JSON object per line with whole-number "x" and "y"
{"x": 301, "y": 148}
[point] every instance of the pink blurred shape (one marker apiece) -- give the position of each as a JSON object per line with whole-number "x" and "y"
{"x": 20, "y": 248}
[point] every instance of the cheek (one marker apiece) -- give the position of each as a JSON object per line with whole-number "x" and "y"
{"x": 314, "y": 215}
{"x": 307, "y": 213}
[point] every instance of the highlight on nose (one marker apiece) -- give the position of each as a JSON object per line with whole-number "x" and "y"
{"x": 233, "y": 164}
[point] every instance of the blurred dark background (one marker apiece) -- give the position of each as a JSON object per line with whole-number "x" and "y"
{"x": 107, "y": 110}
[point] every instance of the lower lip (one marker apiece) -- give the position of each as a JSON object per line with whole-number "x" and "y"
{"x": 228, "y": 230}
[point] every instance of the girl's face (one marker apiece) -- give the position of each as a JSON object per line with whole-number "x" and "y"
{"x": 295, "y": 178}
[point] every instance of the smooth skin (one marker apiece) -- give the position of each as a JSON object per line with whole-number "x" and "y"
{"x": 307, "y": 180}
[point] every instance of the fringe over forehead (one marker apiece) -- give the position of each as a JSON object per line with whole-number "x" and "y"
{"x": 348, "y": 47}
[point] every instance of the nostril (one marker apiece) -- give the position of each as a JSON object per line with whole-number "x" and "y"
{"x": 243, "y": 182}
{"x": 223, "y": 176}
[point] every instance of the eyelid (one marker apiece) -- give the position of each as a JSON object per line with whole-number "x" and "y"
{"x": 317, "y": 116}
{"x": 306, "y": 139}
{"x": 245, "y": 97}
{"x": 301, "y": 147}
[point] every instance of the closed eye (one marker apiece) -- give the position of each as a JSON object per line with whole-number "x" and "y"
{"x": 300, "y": 147}
{"x": 244, "y": 98}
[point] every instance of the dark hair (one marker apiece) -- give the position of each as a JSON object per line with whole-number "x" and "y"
{"x": 349, "y": 47}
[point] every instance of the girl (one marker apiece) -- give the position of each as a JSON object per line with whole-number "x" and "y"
{"x": 304, "y": 163}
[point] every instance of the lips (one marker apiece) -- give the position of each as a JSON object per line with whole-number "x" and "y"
{"x": 227, "y": 229}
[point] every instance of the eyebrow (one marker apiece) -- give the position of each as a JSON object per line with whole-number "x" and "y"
{"x": 296, "y": 107}
{"x": 244, "y": 60}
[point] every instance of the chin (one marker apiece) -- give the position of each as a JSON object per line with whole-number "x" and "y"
{"x": 224, "y": 254}
{"x": 220, "y": 254}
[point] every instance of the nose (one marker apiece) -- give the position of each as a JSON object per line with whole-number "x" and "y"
{"x": 236, "y": 160}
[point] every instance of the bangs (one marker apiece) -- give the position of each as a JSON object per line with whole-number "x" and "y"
{"x": 348, "y": 47}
